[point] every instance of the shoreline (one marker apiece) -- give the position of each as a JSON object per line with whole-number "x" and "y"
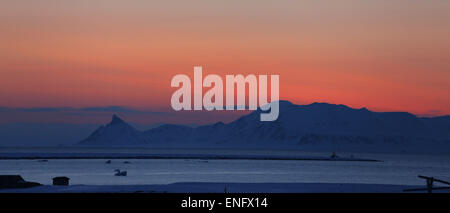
{"x": 106, "y": 156}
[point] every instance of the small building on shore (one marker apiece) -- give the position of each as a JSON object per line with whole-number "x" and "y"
{"x": 61, "y": 181}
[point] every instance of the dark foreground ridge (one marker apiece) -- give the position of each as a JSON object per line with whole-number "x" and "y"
{"x": 15, "y": 181}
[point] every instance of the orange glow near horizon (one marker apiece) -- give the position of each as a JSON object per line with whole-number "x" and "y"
{"x": 375, "y": 54}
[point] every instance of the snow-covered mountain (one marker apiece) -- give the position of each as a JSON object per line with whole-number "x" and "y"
{"x": 317, "y": 126}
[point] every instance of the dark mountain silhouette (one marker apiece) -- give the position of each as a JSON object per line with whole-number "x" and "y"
{"x": 313, "y": 126}
{"x": 117, "y": 132}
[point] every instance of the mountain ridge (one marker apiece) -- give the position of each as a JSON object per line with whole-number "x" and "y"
{"x": 317, "y": 125}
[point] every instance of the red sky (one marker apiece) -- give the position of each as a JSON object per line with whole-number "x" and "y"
{"x": 383, "y": 55}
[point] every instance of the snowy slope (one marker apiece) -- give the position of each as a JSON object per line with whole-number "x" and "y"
{"x": 203, "y": 187}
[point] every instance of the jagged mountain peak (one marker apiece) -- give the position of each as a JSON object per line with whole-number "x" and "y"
{"x": 117, "y": 132}
{"x": 116, "y": 120}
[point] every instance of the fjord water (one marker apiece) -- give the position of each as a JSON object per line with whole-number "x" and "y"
{"x": 394, "y": 169}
